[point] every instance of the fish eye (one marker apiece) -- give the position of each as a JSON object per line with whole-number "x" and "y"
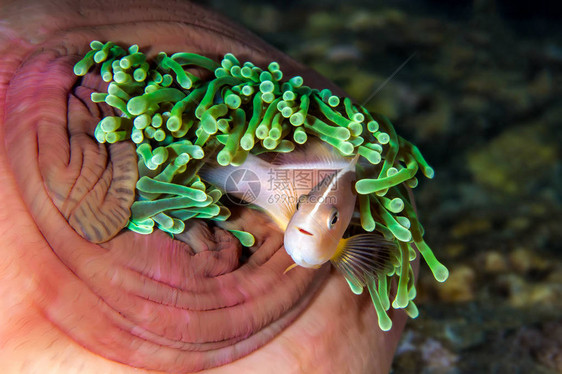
{"x": 333, "y": 218}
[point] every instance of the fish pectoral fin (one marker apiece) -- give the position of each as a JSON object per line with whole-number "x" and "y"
{"x": 364, "y": 257}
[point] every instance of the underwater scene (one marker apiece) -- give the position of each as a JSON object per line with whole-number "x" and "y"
{"x": 476, "y": 86}
{"x": 244, "y": 186}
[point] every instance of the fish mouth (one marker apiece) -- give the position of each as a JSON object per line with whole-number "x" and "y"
{"x": 304, "y": 231}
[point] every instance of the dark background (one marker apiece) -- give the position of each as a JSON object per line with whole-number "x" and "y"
{"x": 481, "y": 97}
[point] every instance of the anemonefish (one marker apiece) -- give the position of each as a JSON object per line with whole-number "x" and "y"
{"x": 313, "y": 216}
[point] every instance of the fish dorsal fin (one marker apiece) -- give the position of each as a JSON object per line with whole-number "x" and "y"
{"x": 315, "y": 154}
{"x": 363, "y": 257}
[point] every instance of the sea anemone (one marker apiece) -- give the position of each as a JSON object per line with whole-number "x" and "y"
{"x": 177, "y": 120}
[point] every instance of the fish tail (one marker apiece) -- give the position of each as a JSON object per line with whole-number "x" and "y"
{"x": 216, "y": 174}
